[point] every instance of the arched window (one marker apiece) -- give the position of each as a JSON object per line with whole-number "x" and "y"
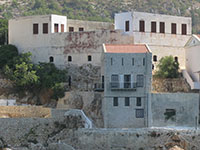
{"x": 89, "y": 58}
{"x": 69, "y": 58}
{"x": 155, "y": 58}
{"x": 176, "y": 59}
{"x": 51, "y": 59}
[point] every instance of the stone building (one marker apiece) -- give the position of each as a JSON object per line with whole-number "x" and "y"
{"x": 46, "y": 37}
{"x": 127, "y": 77}
{"x": 165, "y": 35}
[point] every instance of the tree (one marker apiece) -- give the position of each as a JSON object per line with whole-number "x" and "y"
{"x": 22, "y": 72}
{"x": 168, "y": 68}
{"x": 7, "y": 53}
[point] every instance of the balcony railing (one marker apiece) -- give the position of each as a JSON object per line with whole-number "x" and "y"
{"x": 99, "y": 87}
{"x": 123, "y": 86}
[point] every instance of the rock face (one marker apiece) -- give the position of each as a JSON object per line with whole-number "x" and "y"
{"x": 170, "y": 85}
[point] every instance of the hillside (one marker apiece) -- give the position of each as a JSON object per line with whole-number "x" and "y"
{"x": 101, "y": 10}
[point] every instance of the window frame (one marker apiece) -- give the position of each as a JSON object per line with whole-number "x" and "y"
{"x": 35, "y": 28}
{"x": 115, "y": 101}
{"x": 173, "y": 28}
{"x": 138, "y": 101}
{"x": 153, "y": 27}
{"x": 56, "y": 27}
{"x": 162, "y": 27}
{"x": 127, "y": 26}
{"x": 184, "y": 29}
{"x": 142, "y": 26}
{"x": 45, "y": 28}
{"x": 139, "y": 113}
{"x": 127, "y": 101}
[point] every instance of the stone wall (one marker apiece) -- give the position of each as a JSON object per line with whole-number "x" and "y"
{"x": 88, "y": 101}
{"x": 175, "y": 109}
{"x": 170, "y": 85}
{"x": 37, "y": 133}
{"x": 24, "y": 112}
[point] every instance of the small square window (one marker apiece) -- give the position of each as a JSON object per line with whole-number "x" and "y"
{"x": 138, "y": 101}
{"x": 139, "y": 113}
{"x": 71, "y": 29}
{"x": 81, "y": 29}
{"x": 115, "y": 101}
{"x": 127, "y": 101}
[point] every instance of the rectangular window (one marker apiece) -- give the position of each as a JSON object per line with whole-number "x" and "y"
{"x": 111, "y": 61}
{"x": 142, "y": 26}
{"x": 127, "y": 101}
{"x": 162, "y": 27}
{"x": 184, "y": 29}
{"x": 114, "y": 81}
{"x": 138, "y": 101}
{"x": 127, "y": 26}
{"x": 139, "y": 113}
{"x": 81, "y": 29}
{"x": 173, "y": 28}
{"x": 122, "y": 61}
{"x": 140, "y": 80}
{"x": 133, "y": 62}
{"x": 71, "y": 29}
{"x": 45, "y": 28}
{"x": 115, "y": 101}
{"x": 143, "y": 61}
{"x": 35, "y": 28}
{"x": 153, "y": 27}
{"x": 62, "y": 28}
{"x": 127, "y": 81}
{"x": 55, "y": 28}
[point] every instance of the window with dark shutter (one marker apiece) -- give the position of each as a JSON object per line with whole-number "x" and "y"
{"x": 115, "y": 101}
{"x": 62, "y": 28}
{"x": 55, "y": 28}
{"x": 127, "y": 26}
{"x": 173, "y": 27}
{"x": 162, "y": 27}
{"x": 139, "y": 101}
{"x": 35, "y": 28}
{"x": 184, "y": 29}
{"x": 142, "y": 26}
{"x": 45, "y": 28}
{"x": 127, "y": 101}
{"x": 153, "y": 27}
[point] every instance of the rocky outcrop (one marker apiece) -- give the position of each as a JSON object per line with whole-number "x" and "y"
{"x": 170, "y": 85}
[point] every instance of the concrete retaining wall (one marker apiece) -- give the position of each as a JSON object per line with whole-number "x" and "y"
{"x": 185, "y": 107}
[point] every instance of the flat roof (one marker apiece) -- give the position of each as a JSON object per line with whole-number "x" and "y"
{"x": 126, "y": 48}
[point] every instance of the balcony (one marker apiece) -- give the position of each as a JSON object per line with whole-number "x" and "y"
{"x": 127, "y": 86}
{"x": 99, "y": 87}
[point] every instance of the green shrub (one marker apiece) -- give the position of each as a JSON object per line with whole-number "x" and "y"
{"x": 167, "y": 68}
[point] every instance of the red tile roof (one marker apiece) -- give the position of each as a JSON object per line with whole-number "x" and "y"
{"x": 133, "y": 48}
{"x": 198, "y": 35}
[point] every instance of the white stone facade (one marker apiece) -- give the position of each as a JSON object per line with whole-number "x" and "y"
{"x": 161, "y": 41}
